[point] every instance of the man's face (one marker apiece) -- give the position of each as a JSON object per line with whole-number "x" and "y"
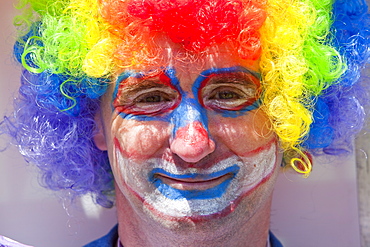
{"x": 189, "y": 140}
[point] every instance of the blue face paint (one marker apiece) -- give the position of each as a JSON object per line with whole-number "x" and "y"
{"x": 169, "y": 73}
{"x": 187, "y": 112}
{"x": 189, "y": 109}
{"x": 121, "y": 78}
{"x": 187, "y": 104}
{"x": 227, "y": 113}
{"x": 176, "y": 194}
{"x": 242, "y": 112}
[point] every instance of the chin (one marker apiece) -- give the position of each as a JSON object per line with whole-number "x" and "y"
{"x": 236, "y": 214}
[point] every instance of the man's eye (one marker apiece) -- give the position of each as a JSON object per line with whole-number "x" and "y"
{"x": 225, "y": 95}
{"x": 150, "y": 101}
{"x": 153, "y": 98}
{"x": 228, "y": 97}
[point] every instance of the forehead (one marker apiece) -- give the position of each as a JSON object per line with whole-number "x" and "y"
{"x": 188, "y": 65}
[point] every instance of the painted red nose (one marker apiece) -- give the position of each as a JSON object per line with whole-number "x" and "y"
{"x": 192, "y": 142}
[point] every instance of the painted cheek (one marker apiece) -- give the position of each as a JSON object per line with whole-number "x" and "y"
{"x": 138, "y": 140}
{"x": 242, "y": 135}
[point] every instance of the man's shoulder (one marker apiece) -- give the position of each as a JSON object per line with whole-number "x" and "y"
{"x": 108, "y": 240}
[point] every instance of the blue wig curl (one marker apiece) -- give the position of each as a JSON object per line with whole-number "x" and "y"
{"x": 340, "y": 111}
{"x": 53, "y": 126}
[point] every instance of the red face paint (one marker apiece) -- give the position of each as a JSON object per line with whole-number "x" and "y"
{"x": 230, "y": 85}
{"x": 146, "y": 95}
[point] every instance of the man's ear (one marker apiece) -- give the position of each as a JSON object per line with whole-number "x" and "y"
{"x": 99, "y": 136}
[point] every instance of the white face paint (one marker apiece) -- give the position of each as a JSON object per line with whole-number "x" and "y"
{"x": 190, "y": 142}
{"x": 223, "y": 185}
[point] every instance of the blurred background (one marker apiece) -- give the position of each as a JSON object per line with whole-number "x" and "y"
{"x": 321, "y": 210}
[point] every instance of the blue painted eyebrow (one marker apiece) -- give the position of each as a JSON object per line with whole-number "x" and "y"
{"x": 204, "y": 74}
{"x": 230, "y": 69}
{"x": 171, "y": 73}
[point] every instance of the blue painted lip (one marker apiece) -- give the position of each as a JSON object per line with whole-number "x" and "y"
{"x": 176, "y": 194}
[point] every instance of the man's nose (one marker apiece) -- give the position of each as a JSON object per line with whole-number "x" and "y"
{"x": 192, "y": 142}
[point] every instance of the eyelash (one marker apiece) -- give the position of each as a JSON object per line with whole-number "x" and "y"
{"x": 161, "y": 95}
{"x": 224, "y": 94}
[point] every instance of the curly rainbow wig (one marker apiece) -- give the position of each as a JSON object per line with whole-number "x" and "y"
{"x": 310, "y": 55}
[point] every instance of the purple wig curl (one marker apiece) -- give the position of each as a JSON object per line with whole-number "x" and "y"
{"x": 59, "y": 142}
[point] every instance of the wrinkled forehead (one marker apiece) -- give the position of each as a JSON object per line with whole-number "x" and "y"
{"x": 182, "y": 61}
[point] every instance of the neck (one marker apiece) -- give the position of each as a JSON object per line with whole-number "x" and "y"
{"x": 137, "y": 229}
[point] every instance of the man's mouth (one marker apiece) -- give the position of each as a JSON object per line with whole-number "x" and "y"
{"x": 193, "y": 186}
